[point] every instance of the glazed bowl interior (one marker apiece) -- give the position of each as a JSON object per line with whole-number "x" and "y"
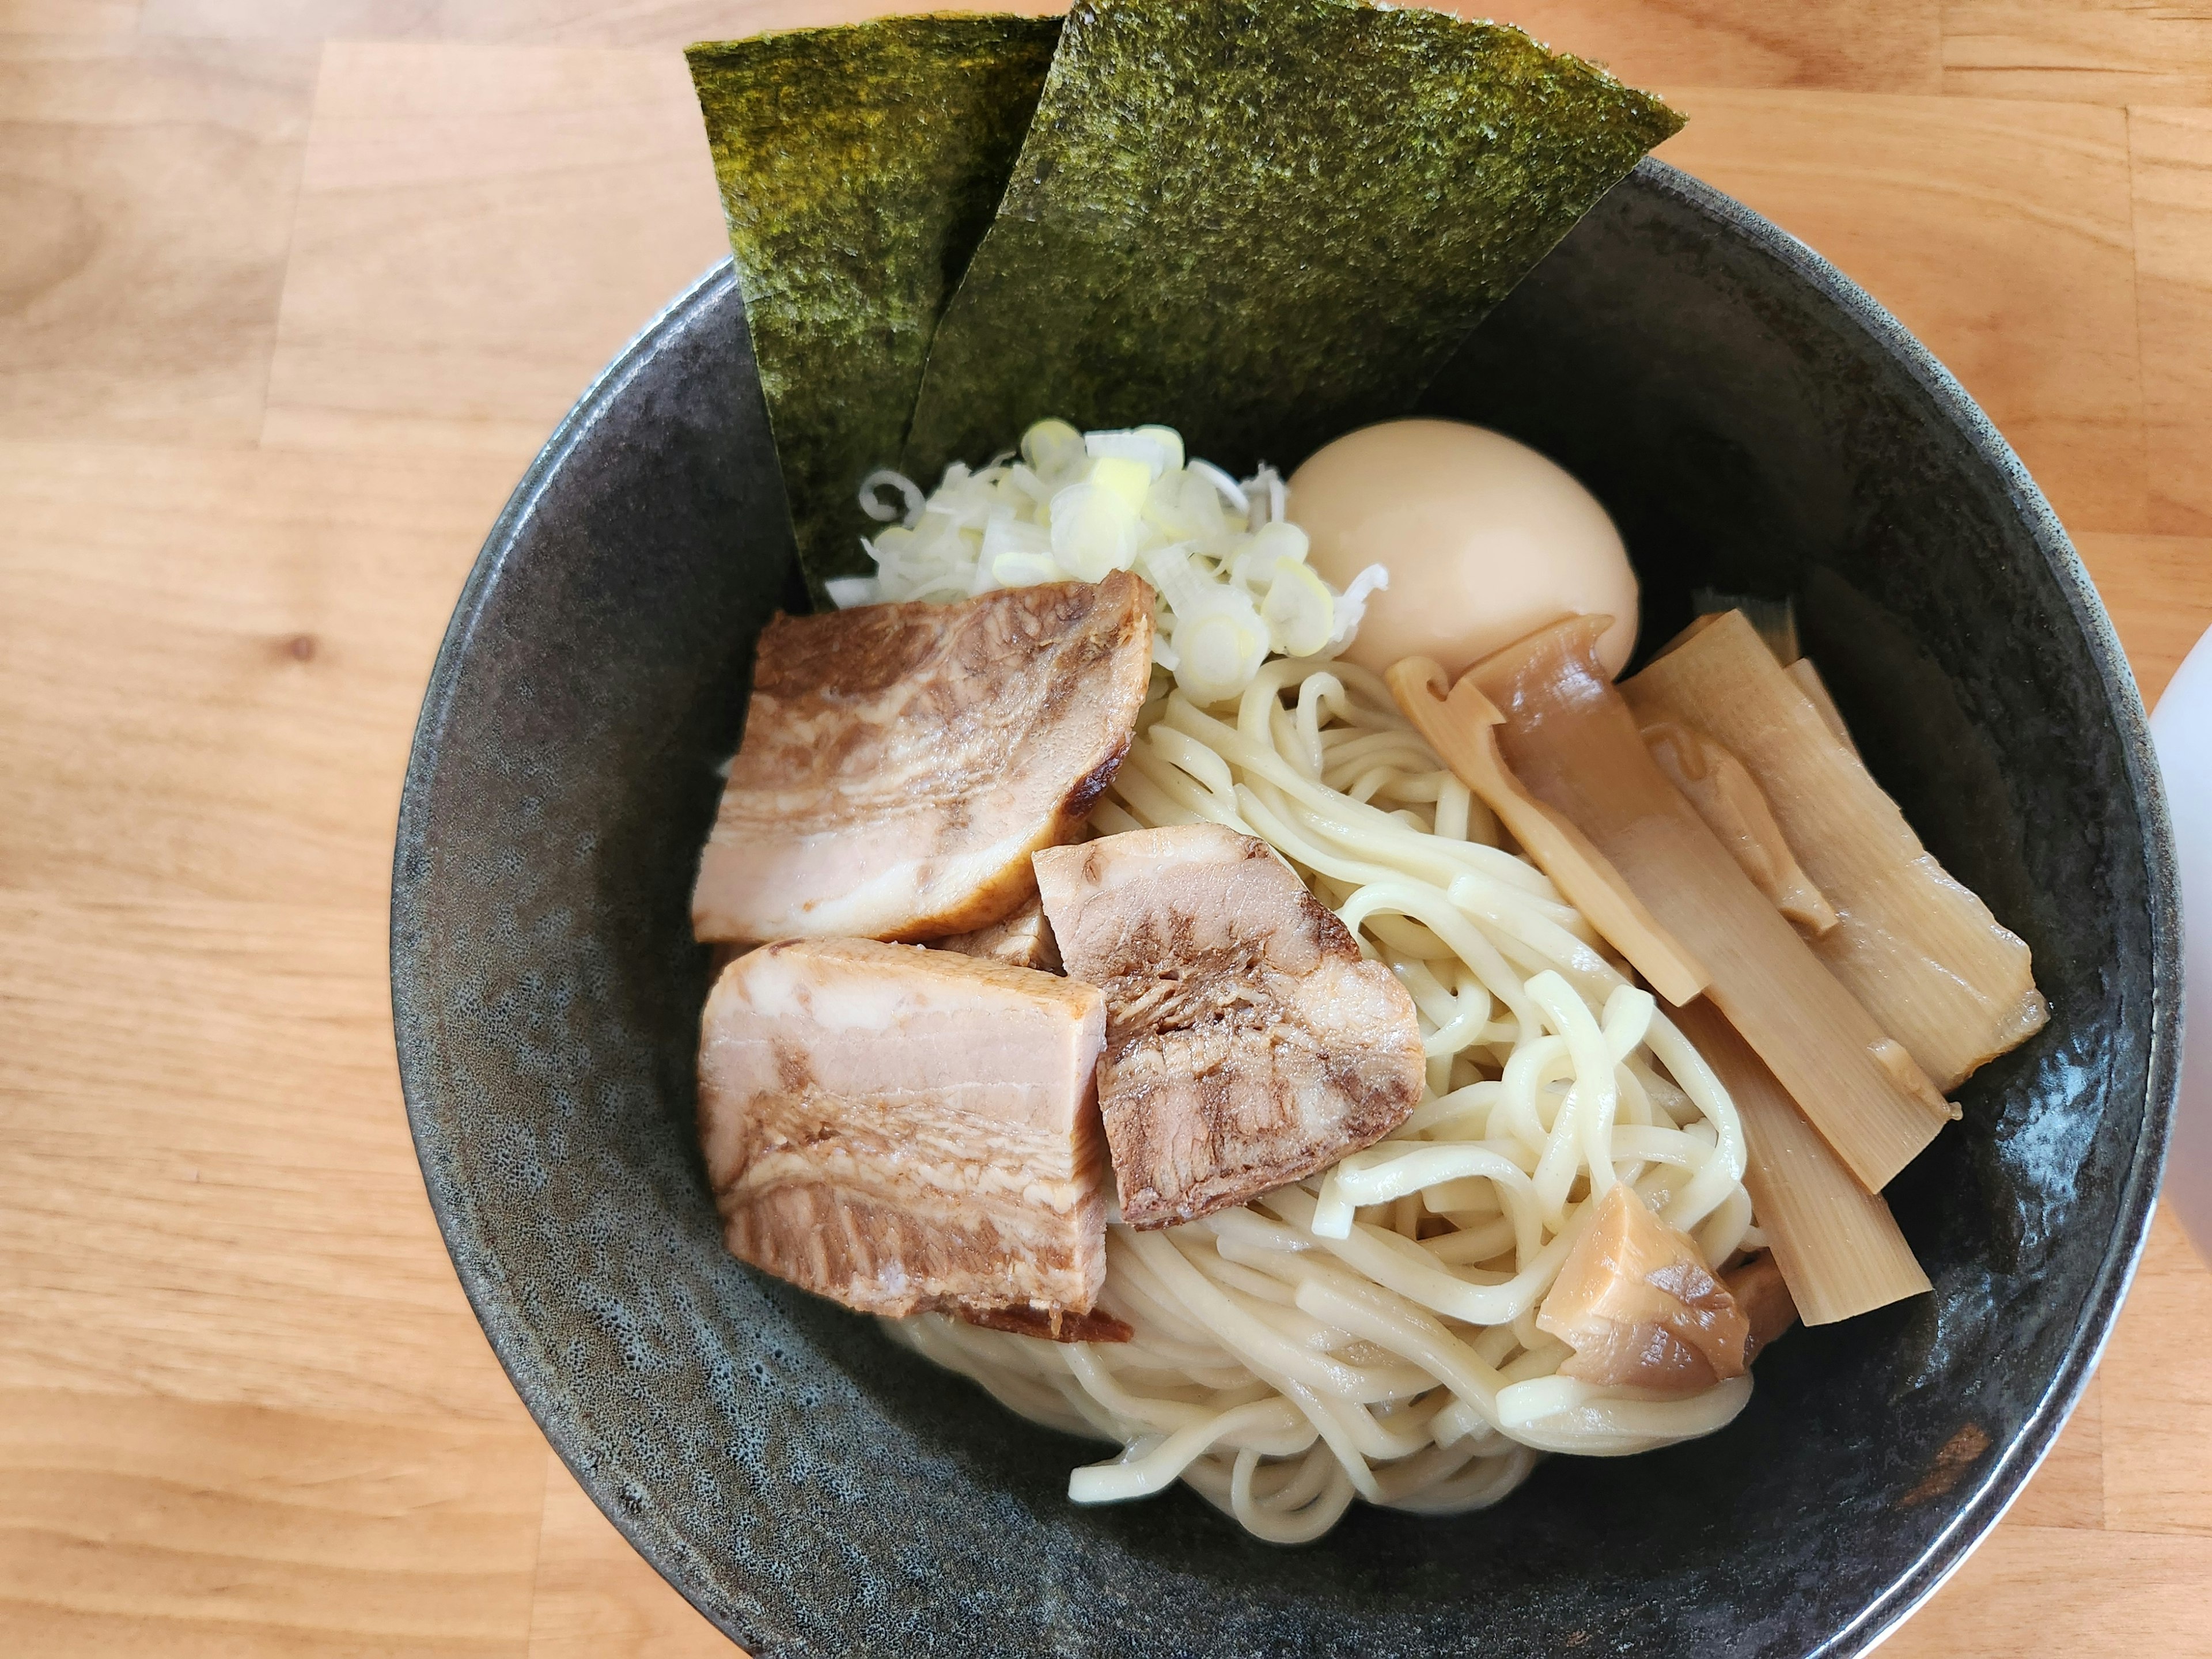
{"x": 1754, "y": 424}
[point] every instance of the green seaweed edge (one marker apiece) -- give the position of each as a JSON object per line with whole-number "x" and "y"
{"x": 860, "y": 166}
{"x": 1281, "y": 258}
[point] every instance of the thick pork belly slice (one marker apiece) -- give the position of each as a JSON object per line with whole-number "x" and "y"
{"x": 901, "y": 1129}
{"x": 1247, "y": 1044}
{"x": 901, "y": 762}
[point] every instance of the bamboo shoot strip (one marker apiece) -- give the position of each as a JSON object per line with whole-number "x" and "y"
{"x": 1270, "y": 222}
{"x": 1463, "y": 729}
{"x": 1808, "y": 679}
{"x": 1923, "y": 954}
{"x": 859, "y": 167}
{"x": 1839, "y": 1251}
{"x": 1726, "y": 798}
{"x": 1570, "y": 740}
{"x": 1776, "y": 620}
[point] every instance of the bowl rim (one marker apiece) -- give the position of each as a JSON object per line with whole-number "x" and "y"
{"x": 529, "y": 1364}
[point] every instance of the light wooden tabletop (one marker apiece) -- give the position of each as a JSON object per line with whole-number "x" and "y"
{"x": 289, "y": 291}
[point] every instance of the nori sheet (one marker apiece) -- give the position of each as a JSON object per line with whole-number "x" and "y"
{"x": 860, "y": 166}
{"x": 1265, "y": 223}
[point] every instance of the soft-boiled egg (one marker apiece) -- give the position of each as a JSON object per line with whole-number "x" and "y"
{"x": 1485, "y": 539}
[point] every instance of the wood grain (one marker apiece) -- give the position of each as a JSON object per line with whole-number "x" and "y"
{"x": 68, "y": 16}
{"x": 210, "y": 662}
{"x": 515, "y": 22}
{"x": 1889, "y": 46}
{"x": 152, "y": 1525}
{"x": 456, "y": 201}
{"x": 2158, "y": 1395}
{"x": 2170, "y": 155}
{"x": 2068, "y": 1490}
{"x": 2157, "y": 590}
{"x": 147, "y": 193}
{"x": 2105, "y": 51}
{"x": 206, "y": 1184}
{"x": 1869, "y": 45}
{"x": 595, "y": 1596}
{"x": 289, "y": 291}
{"x": 2011, "y": 257}
{"x": 2060, "y": 1590}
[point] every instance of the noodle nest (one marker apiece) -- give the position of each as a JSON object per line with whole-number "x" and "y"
{"x": 1371, "y": 1331}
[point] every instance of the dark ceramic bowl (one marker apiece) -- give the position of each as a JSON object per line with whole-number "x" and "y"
{"x": 1755, "y": 422}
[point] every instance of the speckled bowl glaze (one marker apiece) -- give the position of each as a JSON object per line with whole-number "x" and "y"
{"x": 1755, "y": 422}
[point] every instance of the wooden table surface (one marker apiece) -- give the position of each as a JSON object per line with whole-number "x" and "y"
{"x": 289, "y": 291}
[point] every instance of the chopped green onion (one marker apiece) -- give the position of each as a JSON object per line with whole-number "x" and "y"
{"x": 1230, "y": 572}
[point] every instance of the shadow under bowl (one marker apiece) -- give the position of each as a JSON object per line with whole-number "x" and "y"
{"x": 1755, "y": 424}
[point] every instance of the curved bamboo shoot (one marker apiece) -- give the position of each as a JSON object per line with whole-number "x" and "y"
{"x": 1569, "y": 739}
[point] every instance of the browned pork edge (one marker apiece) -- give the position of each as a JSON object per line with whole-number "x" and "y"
{"x": 901, "y": 762}
{"x": 1248, "y": 1043}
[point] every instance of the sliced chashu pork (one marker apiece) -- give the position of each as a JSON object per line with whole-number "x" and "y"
{"x": 1247, "y": 1044}
{"x": 1097, "y": 1325}
{"x": 1022, "y": 940}
{"x": 901, "y": 762}
{"x": 903, "y": 1129}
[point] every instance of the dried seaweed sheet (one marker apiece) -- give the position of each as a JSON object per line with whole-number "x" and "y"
{"x": 1265, "y": 222}
{"x": 859, "y": 167}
